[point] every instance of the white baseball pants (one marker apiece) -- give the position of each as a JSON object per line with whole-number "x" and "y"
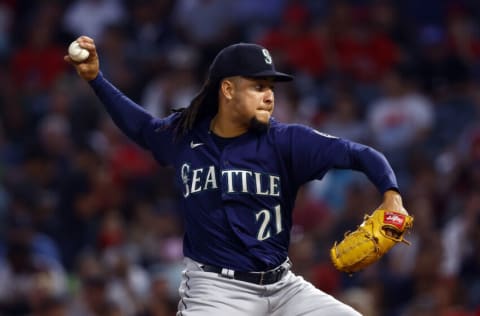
{"x": 209, "y": 294}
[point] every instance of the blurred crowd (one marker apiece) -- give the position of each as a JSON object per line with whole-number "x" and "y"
{"x": 89, "y": 223}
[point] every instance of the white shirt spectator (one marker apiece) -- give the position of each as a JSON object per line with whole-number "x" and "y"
{"x": 396, "y": 121}
{"x": 202, "y": 21}
{"x": 90, "y": 17}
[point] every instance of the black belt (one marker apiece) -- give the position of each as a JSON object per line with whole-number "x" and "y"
{"x": 260, "y": 278}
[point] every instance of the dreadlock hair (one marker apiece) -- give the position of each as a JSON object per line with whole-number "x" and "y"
{"x": 203, "y": 104}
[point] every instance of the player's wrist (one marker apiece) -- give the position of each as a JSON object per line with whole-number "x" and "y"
{"x": 392, "y": 201}
{"x": 95, "y": 75}
{"x": 98, "y": 78}
{"x": 392, "y": 194}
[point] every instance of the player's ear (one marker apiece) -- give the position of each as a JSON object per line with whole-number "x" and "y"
{"x": 227, "y": 88}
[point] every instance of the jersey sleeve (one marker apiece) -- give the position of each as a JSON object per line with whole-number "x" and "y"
{"x": 151, "y": 133}
{"x": 313, "y": 154}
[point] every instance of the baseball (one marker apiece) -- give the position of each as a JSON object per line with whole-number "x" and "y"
{"x": 77, "y": 53}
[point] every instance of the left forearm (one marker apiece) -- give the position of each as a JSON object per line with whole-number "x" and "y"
{"x": 374, "y": 165}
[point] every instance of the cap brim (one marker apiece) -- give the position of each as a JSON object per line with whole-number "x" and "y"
{"x": 276, "y": 75}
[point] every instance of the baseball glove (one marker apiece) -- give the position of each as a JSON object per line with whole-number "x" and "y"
{"x": 377, "y": 234}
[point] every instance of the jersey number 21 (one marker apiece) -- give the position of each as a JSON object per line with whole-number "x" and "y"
{"x": 264, "y": 217}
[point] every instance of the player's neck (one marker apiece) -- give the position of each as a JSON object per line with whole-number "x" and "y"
{"x": 222, "y": 126}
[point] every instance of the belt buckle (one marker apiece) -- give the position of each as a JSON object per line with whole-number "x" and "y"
{"x": 275, "y": 275}
{"x": 279, "y": 273}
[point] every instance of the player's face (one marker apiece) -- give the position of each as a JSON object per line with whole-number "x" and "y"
{"x": 254, "y": 100}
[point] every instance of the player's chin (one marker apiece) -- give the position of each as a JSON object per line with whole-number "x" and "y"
{"x": 263, "y": 116}
{"x": 259, "y": 125}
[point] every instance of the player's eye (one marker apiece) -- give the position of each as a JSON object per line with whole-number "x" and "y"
{"x": 263, "y": 87}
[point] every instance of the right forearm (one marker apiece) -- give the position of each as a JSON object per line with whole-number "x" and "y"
{"x": 127, "y": 115}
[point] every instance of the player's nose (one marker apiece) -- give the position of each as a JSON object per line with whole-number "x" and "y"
{"x": 268, "y": 97}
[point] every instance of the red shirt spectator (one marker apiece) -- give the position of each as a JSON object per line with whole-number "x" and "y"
{"x": 37, "y": 64}
{"x": 461, "y": 38}
{"x": 297, "y": 44}
{"x": 364, "y": 54}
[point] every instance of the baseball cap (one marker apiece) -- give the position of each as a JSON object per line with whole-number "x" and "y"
{"x": 246, "y": 60}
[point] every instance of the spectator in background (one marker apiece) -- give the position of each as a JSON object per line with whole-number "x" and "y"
{"x": 160, "y": 300}
{"x": 118, "y": 63}
{"x": 258, "y": 15}
{"x": 462, "y": 40}
{"x": 92, "y": 16}
{"x": 364, "y": 53}
{"x": 21, "y": 226}
{"x": 27, "y": 277}
{"x": 93, "y": 299}
{"x": 54, "y": 306}
{"x": 78, "y": 212}
{"x": 455, "y": 235}
{"x": 35, "y": 63}
{"x": 401, "y": 119}
{"x": 54, "y": 138}
{"x": 345, "y": 119}
{"x": 174, "y": 87}
{"x": 386, "y": 19}
{"x": 150, "y": 33}
{"x": 470, "y": 266}
{"x": 296, "y": 45}
{"x": 129, "y": 282}
{"x": 192, "y": 20}
{"x": 455, "y": 112}
{"x": 403, "y": 116}
{"x": 437, "y": 67}
{"x": 6, "y": 21}
{"x": 362, "y": 299}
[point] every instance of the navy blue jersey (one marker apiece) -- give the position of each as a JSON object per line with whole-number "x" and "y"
{"x": 238, "y": 198}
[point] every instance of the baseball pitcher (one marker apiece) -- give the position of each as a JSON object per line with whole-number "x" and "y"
{"x": 239, "y": 170}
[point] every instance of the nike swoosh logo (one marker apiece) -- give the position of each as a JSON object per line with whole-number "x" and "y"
{"x": 194, "y": 145}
